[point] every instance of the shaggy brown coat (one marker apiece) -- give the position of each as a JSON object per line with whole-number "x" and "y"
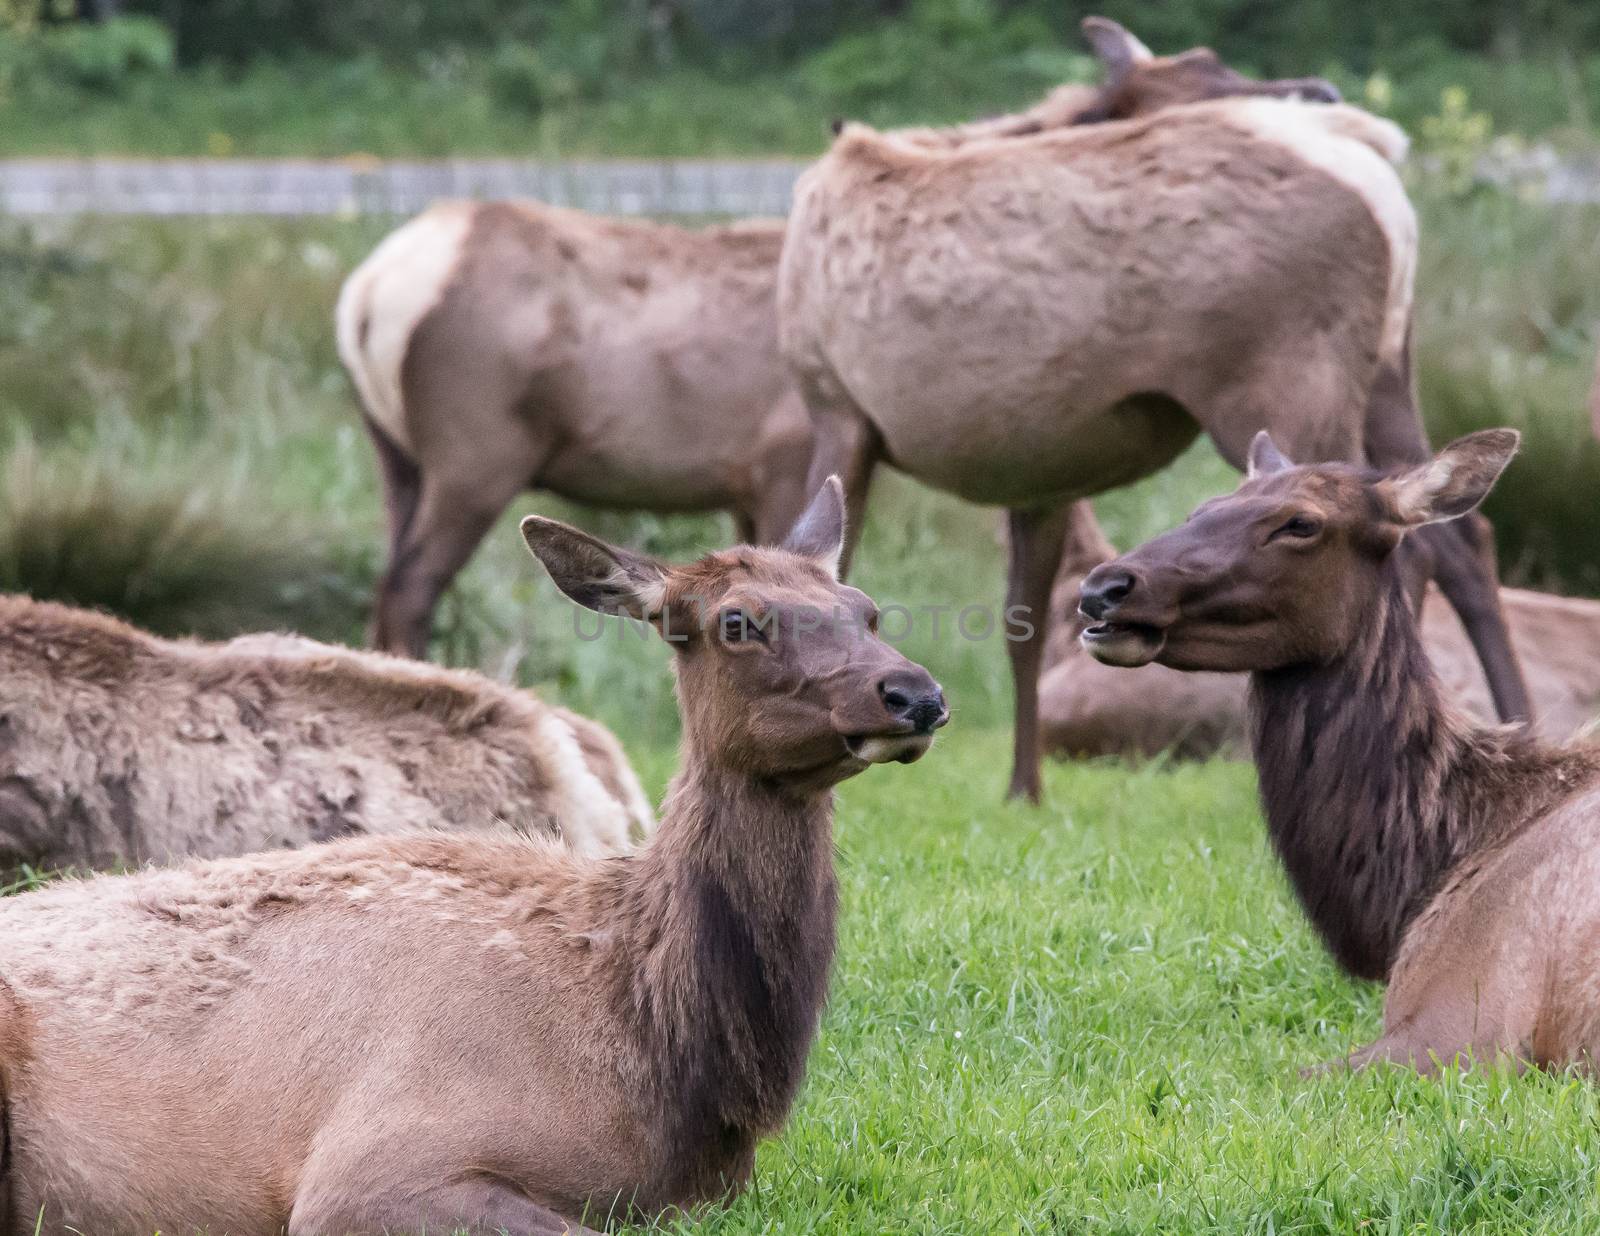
{"x": 118, "y": 748}
{"x": 478, "y": 1031}
{"x": 1456, "y": 860}
{"x": 1035, "y": 320}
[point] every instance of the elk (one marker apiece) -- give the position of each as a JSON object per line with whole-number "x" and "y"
{"x": 503, "y": 346}
{"x": 1031, "y": 321}
{"x": 118, "y": 748}
{"x": 1455, "y": 860}
{"x": 1090, "y": 709}
{"x": 474, "y": 1031}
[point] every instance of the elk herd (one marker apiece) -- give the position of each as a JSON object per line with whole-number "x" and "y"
{"x": 397, "y": 948}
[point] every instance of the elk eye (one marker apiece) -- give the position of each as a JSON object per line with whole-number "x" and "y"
{"x": 1301, "y": 527}
{"x": 738, "y": 627}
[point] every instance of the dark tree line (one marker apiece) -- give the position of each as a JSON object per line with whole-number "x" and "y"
{"x": 1271, "y": 35}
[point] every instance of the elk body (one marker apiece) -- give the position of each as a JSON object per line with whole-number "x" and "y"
{"x": 1457, "y": 861}
{"x": 503, "y": 346}
{"x": 498, "y": 347}
{"x": 1090, "y": 709}
{"x": 488, "y": 1032}
{"x": 118, "y": 748}
{"x": 1036, "y": 319}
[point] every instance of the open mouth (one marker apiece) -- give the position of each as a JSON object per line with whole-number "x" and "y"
{"x": 1128, "y": 644}
{"x": 888, "y": 748}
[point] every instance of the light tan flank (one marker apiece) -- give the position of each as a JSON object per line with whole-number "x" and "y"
{"x": 118, "y": 748}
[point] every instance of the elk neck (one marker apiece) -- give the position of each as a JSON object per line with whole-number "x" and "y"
{"x": 732, "y": 914}
{"x": 1374, "y": 788}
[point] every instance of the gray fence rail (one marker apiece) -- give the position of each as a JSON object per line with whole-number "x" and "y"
{"x": 624, "y": 187}
{"x": 352, "y": 187}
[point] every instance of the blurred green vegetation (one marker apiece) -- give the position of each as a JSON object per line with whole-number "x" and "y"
{"x": 678, "y": 77}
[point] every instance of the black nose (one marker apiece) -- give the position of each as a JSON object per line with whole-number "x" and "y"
{"x": 1105, "y": 588}
{"x": 915, "y": 698}
{"x": 1319, "y": 91}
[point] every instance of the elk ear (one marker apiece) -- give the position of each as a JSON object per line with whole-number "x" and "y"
{"x": 1454, "y": 481}
{"x": 597, "y": 576}
{"x": 819, "y": 532}
{"x": 1114, "y": 47}
{"x": 1265, "y": 457}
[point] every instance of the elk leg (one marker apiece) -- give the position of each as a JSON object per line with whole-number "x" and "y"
{"x": 452, "y": 518}
{"x": 482, "y": 1206}
{"x": 1458, "y": 555}
{"x": 1463, "y": 553}
{"x": 782, "y": 499}
{"x": 401, "y": 481}
{"x": 847, "y": 446}
{"x": 777, "y": 493}
{"x": 1036, "y": 538}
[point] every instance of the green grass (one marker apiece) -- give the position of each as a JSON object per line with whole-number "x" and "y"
{"x": 455, "y": 103}
{"x": 1508, "y": 297}
{"x": 1089, "y": 1017}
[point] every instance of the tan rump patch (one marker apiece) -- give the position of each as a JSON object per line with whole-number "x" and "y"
{"x": 383, "y": 300}
{"x": 1358, "y": 150}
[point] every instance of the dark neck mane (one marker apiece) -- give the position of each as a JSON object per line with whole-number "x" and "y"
{"x": 732, "y": 929}
{"x": 1374, "y": 789}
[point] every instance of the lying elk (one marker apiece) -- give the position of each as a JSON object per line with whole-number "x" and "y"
{"x": 1090, "y": 709}
{"x": 498, "y": 347}
{"x": 1036, "y": 320}
{"x": 1459, "y": 861}
{"x": 118, "y": 748}
{"x": 471, "y": 1031}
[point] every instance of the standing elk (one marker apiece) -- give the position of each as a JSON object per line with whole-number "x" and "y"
{"x": 118, "y": 748}
{"x": 1456, "y": 860}
{"x": 1090, "y": 709}
{"x": 392, "y": 1034}
{"x": 498, "y": 347}
{"x": 1029, "y": 321}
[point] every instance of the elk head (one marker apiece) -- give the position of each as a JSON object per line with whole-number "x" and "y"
{"x": 781, "y": 672}
{"x": 1285, "y": 570}
{"x": 1138, "y": 82}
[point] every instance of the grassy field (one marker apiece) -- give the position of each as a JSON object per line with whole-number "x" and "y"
{"x": 1080, "y": 1018}
{"x": 518, "y": 101}
{"x": 1089, "y": 1018}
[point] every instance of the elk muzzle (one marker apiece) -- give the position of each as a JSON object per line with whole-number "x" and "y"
{"x": 1116, "y": 634}
{"x": 912, "y": 707}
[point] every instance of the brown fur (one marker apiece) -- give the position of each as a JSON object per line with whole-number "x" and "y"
{"x": 618, "y": 363}
{"x": 1032, "y": 321}
{"x": 13, "y": 1055}
{"x": 484, "y": 1031}
{"x": 120, "y": 748}
{"x": 1089, "y": 709}
{"x": 1456, "y": 860}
